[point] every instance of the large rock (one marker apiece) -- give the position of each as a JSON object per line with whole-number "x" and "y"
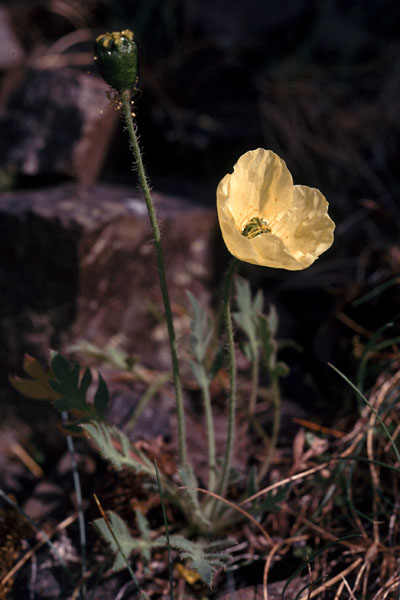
{"x": 11, "y": 52}
{"x": 79, "y": 262}
{"x": 56, "y": 122}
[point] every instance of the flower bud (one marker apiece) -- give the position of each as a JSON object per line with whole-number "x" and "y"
{"x": 117, "y": 56}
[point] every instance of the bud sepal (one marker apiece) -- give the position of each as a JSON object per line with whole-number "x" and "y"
{"x": 116, "y": 55}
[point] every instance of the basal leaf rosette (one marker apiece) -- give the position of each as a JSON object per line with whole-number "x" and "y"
{"x": 266, "y": 220}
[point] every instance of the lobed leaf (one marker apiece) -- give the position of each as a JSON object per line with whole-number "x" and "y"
{"x": 37, "y": 386}
{"x": 126, "y": 541}
{"x": 115, "y": 447}
{"x": 248, "y": 310}
{"x": 200, "y": 329}
{"x": 190, "y": 482}
{"x": 122, "y": 533}
{"x": 203, "y": 557}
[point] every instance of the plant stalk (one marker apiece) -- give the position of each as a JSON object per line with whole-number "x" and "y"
{"x": 232, "y": 379}
{"x": 138, "y": 165}
{"x": 205, "y": 390}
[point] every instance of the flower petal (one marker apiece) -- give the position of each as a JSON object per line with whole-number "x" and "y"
{"x": 260, "y": 185}
{"x": 267, "y": 250}
{"x": 313, "y": 228}
{"x": 273, "y": 252}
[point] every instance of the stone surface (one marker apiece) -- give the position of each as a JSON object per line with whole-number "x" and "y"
{"x": 56, "y": 122}
{"x": 11, "y": 52}
{"x": 79, "y": 262}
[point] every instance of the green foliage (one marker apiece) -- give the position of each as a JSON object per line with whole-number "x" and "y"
{"x": 260, "y": 329}
{"x": 110, "y": 354}
{"x": 115, "y": 446}
{"x": 217, "y": 363}
{"x": 37, "y": 386}
{"x": 200, "y": 329}
{"x": 248, "y": 312}
{"x": 72, "y": 391}
{"x": 62, "y": 385}
{"x": 269, "y": 346}
{"x": 201, "y": 333}
{"x": 190, "y": 494}
{"x": 145, "y": 534}
{"x": 126, "y": 542}
{"x": 204, "y": 558}
{"x": 270, "y": 503}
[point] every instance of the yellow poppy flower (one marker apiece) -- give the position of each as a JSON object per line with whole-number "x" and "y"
{"x": 266, "y": 220}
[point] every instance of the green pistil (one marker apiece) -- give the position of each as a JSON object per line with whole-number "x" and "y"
{"x": 255, "y": 227}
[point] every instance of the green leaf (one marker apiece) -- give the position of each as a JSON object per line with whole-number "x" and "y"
{"x": 204, "y": 558}
{"x": 273, "y": 320}
{"x": 258, "y": 303}
{"x": 116, "y": 357}
{"x": 127, "y": 542}
{"x": 189, "y": 480}
{"x": 122, "y": 533}
{"x": 200, "y": 329}
{"x": 246, "y": 350}
{"x": 145, "y": 534}
{"x": 85, "y": 384}
{"x": 268, "y": 344}
{"x": 101, "y": 397}
{"x": 270, "y": 502}
{"x": 281, "y": 369}
{"x": 115, "y": 447}
{"x": 251, "y": 483}
{"x": 72, "y": 392}
{"x": 199, "y": 373}
{"x": 66, "y": 376}
{"x": 248, "y": 311}
{"x": 218, "y": 363}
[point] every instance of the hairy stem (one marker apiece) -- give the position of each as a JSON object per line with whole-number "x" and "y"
{"x": 232, "y": 378}
{"x": 126, "y": 106}
{"x": 205, "y": 390}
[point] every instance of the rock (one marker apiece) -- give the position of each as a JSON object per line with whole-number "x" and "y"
{"x": 11, "y": 52}
{"x": 56, "y": 122}
{"x": 79, "y": 262}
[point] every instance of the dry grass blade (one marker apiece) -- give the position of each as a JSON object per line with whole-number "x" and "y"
{"x": 340, "y": 576}
{"x": 348, "y": 588}
{"x": 267, "y": 566}
{"x": 270, "y": 556}
{"x": 290, "y": 479}
{"x": 63, "y": 525}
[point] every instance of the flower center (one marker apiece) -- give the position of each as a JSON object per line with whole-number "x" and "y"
{"x": 254, "y": 227}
